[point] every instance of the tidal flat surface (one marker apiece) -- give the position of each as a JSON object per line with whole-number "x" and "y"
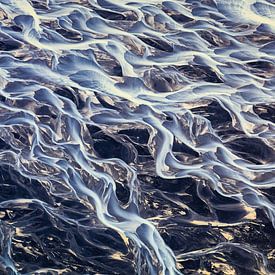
{"x": 137, "y": 137}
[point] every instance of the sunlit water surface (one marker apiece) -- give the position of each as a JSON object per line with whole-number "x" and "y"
{"x": 137, "y": 137}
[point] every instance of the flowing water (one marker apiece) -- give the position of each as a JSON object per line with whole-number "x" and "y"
{"x": 137, "y": 137}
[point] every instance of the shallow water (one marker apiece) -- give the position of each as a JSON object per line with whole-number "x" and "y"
{"x": 137, "y": 137}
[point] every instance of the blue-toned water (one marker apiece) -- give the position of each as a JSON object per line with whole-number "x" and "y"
{"x": 137, "y": 137}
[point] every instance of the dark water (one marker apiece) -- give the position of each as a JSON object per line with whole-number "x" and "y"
{"x": 137, "y": 137}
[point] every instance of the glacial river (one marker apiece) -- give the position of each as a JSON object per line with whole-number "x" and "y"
{"x": 137, "y": 137}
